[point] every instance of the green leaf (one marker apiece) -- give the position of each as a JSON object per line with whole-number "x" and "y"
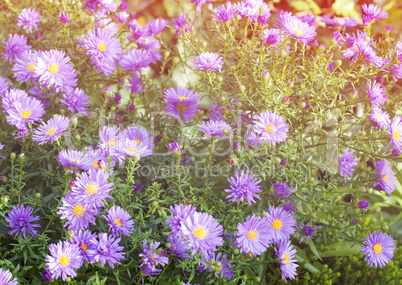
{"x": 313, "y": 248}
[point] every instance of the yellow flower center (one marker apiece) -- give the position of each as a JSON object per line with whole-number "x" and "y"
{"x": 131, "y": 150}
{"x": 79, "y": 210}
{"x": 385, "y": 178}
{"x": 75, "y": 160}
{"x": 31, "y": 67}
{"x": 64, "y": 260}
{"x": 101, "y": 47}
{"x": 181, "y": 108}
{"x": 51, "y": 131}
{"x": 91, "y": 189}
{"x": 270, "y": 129}
{"x": 379, "y": 118}
{"x": 277, "y": 224}
{"x": 84, "y": 247}
{"x": 137, "y": 141}
{"x": 252, "y": 235}
{"x": 285, "y": 258}
{"x": 111, "y": 142}
{"x": 200, "y": 232}
{"x": 95, "y": 164}
{"x": 396, "y": 136}
{"x": 341, "y": 21}
{"x": 26, "y": 114}
{"x": 299, "y": 33}
{"x": 117, "y": 222}
{"x": 181, "y": 98}
{"x": 53, "y": 68}
{"x": 377, "y": 248}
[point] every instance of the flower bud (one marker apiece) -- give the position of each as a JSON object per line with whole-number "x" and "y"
{"x": 175, "y": 61}
{"x": 303, "y": 105}
{"x": 3, "y": 178}
{"x": 289, "y": 142}
{"x": 338, "y": 63}
{"x": 166, "y": 54}
{"x": 155, "y": 204}
{"x": 220, "y": 78}
{"x": 4, "y": 200}
{"x": 12, "y": 155}
{"x": 74, "y": 121}
{"x": 168, "y": 245}
{"x": 242, "y": 88}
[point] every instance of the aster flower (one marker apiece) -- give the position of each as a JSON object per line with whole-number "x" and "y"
{"x": 6, "y": 278}
{"x": 135, "y": 84}
{"x": 12, "y": 98}
{"x": 101, "y": 45}
{"x": 182, "y": 25}
{"x": 75, "y": 100}
{"x": 29, "y": 18}
{"x": 395, "y": 131}
{"x": 306, "y": 231}
{"x": 52, "y": 130}
{"x": 63, "y": 259}
{"x": 29, "y": 111}
{"x": 283, "y": 190}
{"x": 155, "y": 27}
{"x": 201, "y": 232}
{"x": 82, "y": 239}
{"x": 120, "y": 221}
{"x": 386, "y": 177}
{"x": 281, "y": 223}
{"x": 360, "y": 48}
{"x": 130, "y": 148}
{"x": 311, "y": 20}
{"x": 398, "y": 50}
{"x": 252, "y": 140}
{"x": 152, "y": 46}
{"x": 106, "y": 249}
{"x": 218, "y": 264}
{"x": 137, "y": 30}
{"x": 20, "y": 219}
{"x": 208, "y": 61}
{"x": 215, "y": 129}
{"x": 224, "y": 13}
{"x": 92, "y": 187}
{"x": 339, "y": 22}
{"x": 289, "y": 207}
{"x": 180, "y": 213}
{"x": 379, "y": 249}
{"x": 177, "y": 247}
{"x": 64, "y": 18}
{"x": 272, "y": 38}
{"x": 271, "y": 127}
{"x": 109, "y": 139}
{"x": 15, "y": 47}
{"x": 376, "y": 93}
{"x": 199, "y": 4}
{"x": 372, "y": 12}
{"x": 286, "y": 254}
{"x": 181, "y": 103}
{"x": 347, "y": 163}
{"x": 72, "y": 160}
{"x": 253, "y": 236}
{"x": 46, "y": 275}
{"x": 174, "y": 146}
{"x": 122, "y": 17}
{"x": 24, "y": 68}
{"x": 3, "y": 86}
{"x": 380, "y": 117}
{"x": 135, "y": 59}
{"x": 243, "y": 187}
{"x": 363, "y": 204}
{"x": 53, "y": 69}
{"x": 151, "y": 258}
{"x": 140, "y": 136}
{"x": 78, "y": 213}
{"x": 337, "y": 37}
{"x": 295, "y": 28}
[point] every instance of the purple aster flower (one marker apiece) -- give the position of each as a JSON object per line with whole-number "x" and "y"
{"x": 215, "y": 129}
{"x": 201, "y": 232}
{"x": 395, "y": 131}
{"x": 177, "y": 247}
{"x": 12, "y": 98}
{"x": 53, "y": 69}
{"x": 106, "y": 248}
{"x": 29, "y": 18}
{"x": 107, "y": 66}
{"x": 3, "y": 86}
{"x": 363, "y": 204}
{"x": 337, "y": 37}
{"x": 272, "y": 38}
{"x": 78, "y": 213}
{"x": 360, "y": 48}
{"x": 280, "y": 223}
{"x": 386, "y": 177}
{"x": 224, "y": 13}
{"x": 135, "y": 84}
{"x": 339, "y": 22}
{"x": 252, "y": 140}
{"x": 129, "y": 148}
{"x": 101, "y": 45}
{"x": 15, "y": 47}
{"x": 398, "y": 50}
{"x": 372, "y": 12}
{"x": 6, "y": 278}
{"x": 92, "y": 187}
{"x": 109, "y": 139}
{"x": 72, "y": 160}
{"x": 295, "y": 28}
{"x": 122, "y": 17}
{"x": 208, "y": 61}
{"x": 151, "y": 258}
{"x": 347, "y": 163}
{"x": 180, "y": 213}
{"x": 376, "y": 93}
{"x": 135, "y": 59}
{"x": 253, "y": 236}
{"x": 123, "y": 5}
{"x": 331, "y": 67}
{"x": 379, "y": 249}
{"x": 152, "y": 46}
{"x": 20, "y": 219}
{"x": 52, "y": 130}
{"x": 82, "y": 239}
{"x": 311, "y": 20}
{"x": 46, "y": 275}
{"x": 24, "y": 68}
{"x": 120, "y": 221}
{"x": 29, "y": 111}
{"x": 306, "y": 231}
{"x": 181, "y": 103}
{"x": 63, "y": 259}
{"x": 286, "y": 254}
{"x": 199, "y": 4}
{"x": 64, "y": 19}
{"x": 174, "y": 146}
{"x": 243, "y": 187}
{"x": 155, "y": 27}
{"x": 137, "y": 30}
{"x": 270, "y": 127}
{"x": 75, "y": 100}
{"x": 182, "y": 25}
{"x": 283, "y": 190}
{"x": 289, "y": 208}
{"x": 218, "y": 264}
{"x": 140, "y": 136}
{"x": 380, "y": 117}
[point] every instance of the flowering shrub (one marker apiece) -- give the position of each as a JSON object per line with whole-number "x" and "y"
{"x": 225, "y": 146}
